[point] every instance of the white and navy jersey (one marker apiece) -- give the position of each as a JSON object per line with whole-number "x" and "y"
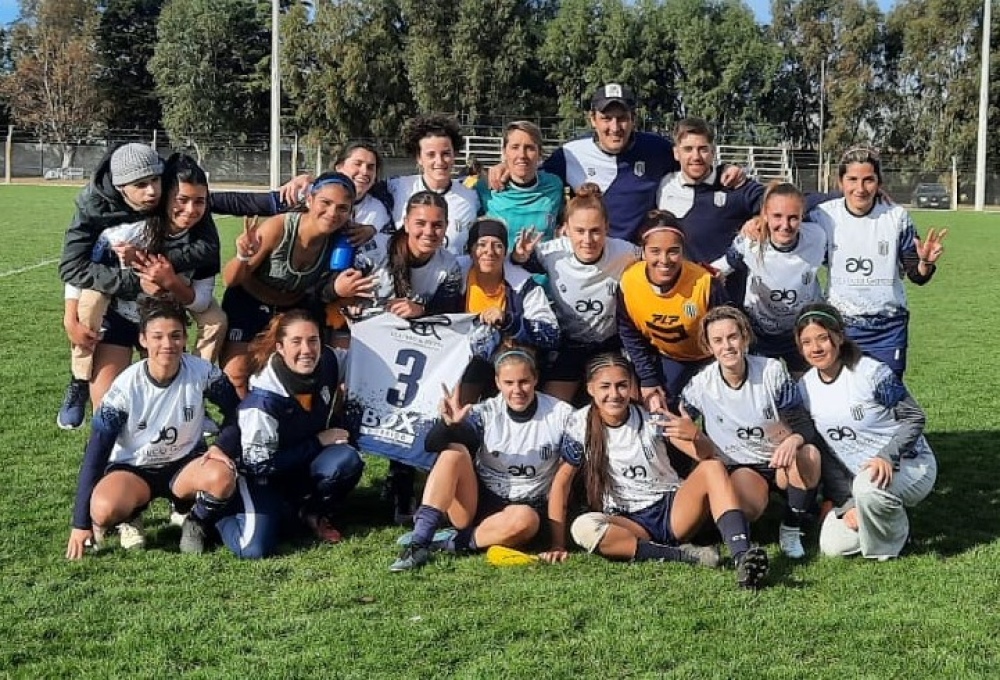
{"x": 146, "y": 424}
{"x": 463, "y": 207}
{"x": 637, "y": 455}
{"x": 519, "y": 458}
{"x": 438, "y": 279}
{"x": 584, "y": 294}
{"x": 744, "y": 422}
{"x": 371, "y": 211}
{"x": 865, "y": 256}
{"x": 781, "y": 281}
{"x": 855, "y": 414}
{"x": 395, "y": 369}
{"x": 628, "y": 180}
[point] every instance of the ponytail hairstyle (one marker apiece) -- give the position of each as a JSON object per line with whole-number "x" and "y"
{"x": 510, "y": 351}
{"x": 179, "y": 168}
{"x": 596, "y": 467}
{"x": 722, "y": 313}
{"x": 588, "y": 197}
{"x": 264, "y": 345}
{"x": 827, "y": 317}
{"x": 399, "y": 253}
{"x": 776, "y": 188}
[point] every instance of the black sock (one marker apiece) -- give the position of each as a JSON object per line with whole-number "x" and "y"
{"x": 799, "y": 502}
{"x": 735, "y": 531}
{"x": 647, "y": 550}
{"x": 463, "y": 541}
{"x": 207, "y": 508}
{"x": 426, "y": 520}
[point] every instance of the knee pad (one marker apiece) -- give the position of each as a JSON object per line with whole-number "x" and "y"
{"x": 588, "y": 530}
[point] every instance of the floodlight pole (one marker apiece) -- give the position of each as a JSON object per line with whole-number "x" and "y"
{"x": 984, "y": 96}
{"x": 275, "y": 95}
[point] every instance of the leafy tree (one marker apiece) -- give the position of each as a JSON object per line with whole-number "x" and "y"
{"x": 126, "y": 38}
{"x": 50, "y": 89}
{"x": 433, "y": 76}
{"x": 208, "y": 66}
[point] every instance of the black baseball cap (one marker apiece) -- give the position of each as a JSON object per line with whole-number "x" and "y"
{"x": 612, "y": 93}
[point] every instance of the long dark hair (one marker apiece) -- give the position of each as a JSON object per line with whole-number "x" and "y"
{"x": 399, "y": 253}
{"x": 179, "y": 168}
{"x": 597, "y": 478}
{"x": 829, "y": 318}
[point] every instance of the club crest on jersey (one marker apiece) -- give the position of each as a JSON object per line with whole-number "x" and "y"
{"x": 545, "y": 453}
{"x": 325, "y": 394}
{"x": 719, "y": 199}
{"x": 690, "y": 310}
{"x": 768, "y": 413}
{"x": 562, "y": 287}
{"x": 591, "y": 172}
{"x": 806, "y": 278}
{"x": 188, "y": 414}
{"x": 883, "y": 248}
{"x": 858, "y": 412}
{"x": 639, "y": 168}
{"x": 611, "y": 287}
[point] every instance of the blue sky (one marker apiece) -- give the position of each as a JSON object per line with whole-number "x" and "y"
{"x": 762, "y": 8}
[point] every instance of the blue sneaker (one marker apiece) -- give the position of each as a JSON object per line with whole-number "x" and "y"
{"x": 71, "y": 412}
{"x": 412, "y": 557}
{"x": 439, "y": 542}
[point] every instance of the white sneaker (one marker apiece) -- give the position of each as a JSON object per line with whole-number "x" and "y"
{"x": 132, "y": 535}
{"x": 177, "y": 518}
{"x": 790, "y": 540}
{"x": 96, "y": 544}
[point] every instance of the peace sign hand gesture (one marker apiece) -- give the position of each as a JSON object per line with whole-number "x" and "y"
{"x": 931, "y": 249}
{"x": 525, "y": 245}
{"x": 248, "y": 242}
{"x": 451, "y": 409}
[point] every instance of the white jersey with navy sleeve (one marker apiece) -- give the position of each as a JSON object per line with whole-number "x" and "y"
{"x": 440, "y": 273}
{"x": 395, "y": 369}
{"x": 641, "y": 473}
{"x": 518, "y": 460}
{"x": 163, "y": 422}
{"x": 780, "y": 282}
{"x": 853, "y": 414}
{"x": 584, "y": 294}
{"x": 369, "y": 210}
{"x": 463, "y": 207}
{"x": 744, "y": 422}
{"x": 865, "y": 256}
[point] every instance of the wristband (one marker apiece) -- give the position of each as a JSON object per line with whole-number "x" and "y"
{"x": 243, "y": 258}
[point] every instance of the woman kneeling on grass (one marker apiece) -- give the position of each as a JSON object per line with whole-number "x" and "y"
{"x": 296, "y": 464}
{"x": 752, "y": 411}
{"x": 147, "y": 443}
{"x": 494, "y": 468}
{"x": 644, "y": 509}
{"x": 874, "y": 429}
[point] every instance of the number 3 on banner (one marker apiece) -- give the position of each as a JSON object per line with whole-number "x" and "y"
{"x": 408, "y": 380}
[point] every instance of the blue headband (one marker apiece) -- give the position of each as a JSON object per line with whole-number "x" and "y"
{"x": 336, "y": 179}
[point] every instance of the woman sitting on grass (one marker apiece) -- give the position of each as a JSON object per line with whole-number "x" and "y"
{"x": 641, "y": 510}
{"x": 874, "y": 428}
{"x": 297, "y": 465}
{"x": 494, "y": 468}
{"x": 147, "y": 443}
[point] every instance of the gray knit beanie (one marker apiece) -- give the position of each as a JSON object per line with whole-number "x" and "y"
{"x": 132, "y": 162}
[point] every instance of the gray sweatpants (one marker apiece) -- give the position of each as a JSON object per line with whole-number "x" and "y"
{"x": 882, "y": 522}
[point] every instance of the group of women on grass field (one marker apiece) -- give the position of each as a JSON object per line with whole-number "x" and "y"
{"x": 683, "y": 297}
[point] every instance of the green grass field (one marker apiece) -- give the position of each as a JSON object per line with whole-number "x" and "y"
{"x": 336, "y": 611}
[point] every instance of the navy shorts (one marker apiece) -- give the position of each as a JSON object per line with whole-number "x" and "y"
{"x": 656, "y": 519}
{"x": 569, "y": 362}
{"x": 490, "y": 504}
{"x": 119, "y": 331}
{"x": 160, "y": 479}
{"x": 769, "y": 473}
{"x": 780, "y": 347}
{"x": 676, "y": 376}
{"x": 247, "y": 315}
{"x": 883, "y": 339}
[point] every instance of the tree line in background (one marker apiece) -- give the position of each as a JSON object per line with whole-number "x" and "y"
{"x": 906, "y": 80}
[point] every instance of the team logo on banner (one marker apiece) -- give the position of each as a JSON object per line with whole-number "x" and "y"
{"x": 690, "y": 310}
{"x": 720, "y": 199}
{"x": 640, "y": 168}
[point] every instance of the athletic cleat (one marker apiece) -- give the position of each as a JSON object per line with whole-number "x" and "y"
{"x": 701, "y": 555}
{"x": 790, "y": 541}
{"x": 132, "y": 534}
{"x": 194, "y": 538}
{"x": 439, "y": 542}
{"x": 74, "y": 404}
{"x": 412, "y": 557}
{"x": 751, "y": 568}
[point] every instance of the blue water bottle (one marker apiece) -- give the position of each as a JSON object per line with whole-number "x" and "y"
{"x": 342, "y": 255}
